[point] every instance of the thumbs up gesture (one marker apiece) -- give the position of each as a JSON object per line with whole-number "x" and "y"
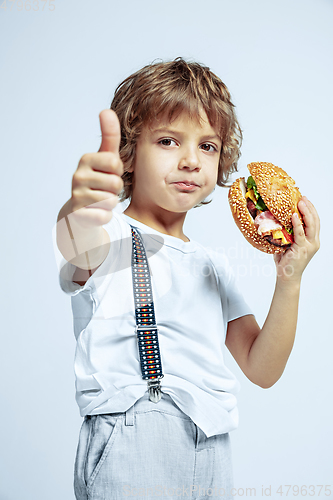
{"x": 97, "y": 181}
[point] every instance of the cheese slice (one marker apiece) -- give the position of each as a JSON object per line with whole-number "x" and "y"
{"x": 277, "y": 235}
{"x": 250, "y": 194}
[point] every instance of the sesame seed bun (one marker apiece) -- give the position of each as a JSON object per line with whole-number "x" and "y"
{"x": 280, "y": 195}
{"x": 278, "y": 191}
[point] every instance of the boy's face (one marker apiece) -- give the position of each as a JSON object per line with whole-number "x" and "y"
{"x": 169, "y": 153}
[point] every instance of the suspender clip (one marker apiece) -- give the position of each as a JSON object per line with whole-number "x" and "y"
{"x": 154, "y": 389}
{"x": 147, "y": 327}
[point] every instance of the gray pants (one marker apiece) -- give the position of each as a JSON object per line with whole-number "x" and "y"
{"x": 151, "y": 450}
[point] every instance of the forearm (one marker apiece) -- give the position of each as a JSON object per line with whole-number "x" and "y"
{"x": 86, "y": 248}
{"x": 262, "y": 354}
{"x": 270, "y": 351}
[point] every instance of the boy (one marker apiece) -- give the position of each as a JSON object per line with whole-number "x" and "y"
{"x": 171, "y": 135}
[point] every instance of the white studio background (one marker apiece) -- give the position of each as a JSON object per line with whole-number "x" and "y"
{"x": 60, "y": 64}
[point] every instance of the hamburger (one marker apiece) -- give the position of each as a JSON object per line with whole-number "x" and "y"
{"x": 263, "y": 206}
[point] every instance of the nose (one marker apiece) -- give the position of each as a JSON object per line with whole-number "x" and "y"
{"x": 190, "y": 159}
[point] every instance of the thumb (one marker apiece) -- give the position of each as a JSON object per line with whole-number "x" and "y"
{"x": 110, "y": 128}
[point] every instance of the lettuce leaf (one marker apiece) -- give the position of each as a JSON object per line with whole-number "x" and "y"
{"x": 290, "y": 231}
{"x": 260, "y": 205}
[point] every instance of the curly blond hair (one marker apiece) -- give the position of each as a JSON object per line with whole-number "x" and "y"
{"x": 171, "y": 88}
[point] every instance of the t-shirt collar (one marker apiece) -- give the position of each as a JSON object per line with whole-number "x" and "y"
{"x": 170, "y": 241}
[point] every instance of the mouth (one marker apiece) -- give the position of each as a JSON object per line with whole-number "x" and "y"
{"x": 187, "y": 183}
{"x": 186, "y": 186}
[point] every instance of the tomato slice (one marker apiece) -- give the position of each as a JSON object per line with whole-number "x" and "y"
{"x": 289, "y": 237}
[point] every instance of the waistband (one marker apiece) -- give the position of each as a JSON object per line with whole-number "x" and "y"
{"x": 166, "y": 404}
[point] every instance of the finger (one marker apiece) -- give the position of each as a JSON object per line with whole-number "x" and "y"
{"x": 106, "y": 203}
{"x": 299, "y": 234}
{"x": 310, "y": 226}
{"x": 86, "y": 217}
{"x": 110, "y": 128}
{"x": 94, "y": 199}
{"x": 312, "y": 210}
{"x": 101, "y": 162}
{"x": 107, "y": 182}
{"x": 98, "y": 180}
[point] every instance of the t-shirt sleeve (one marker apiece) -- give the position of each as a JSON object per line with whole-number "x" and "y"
{"x": 66, "y": 282}
{"x": 233, "y": 302}
{"x": 118, "y": 232}
{"x": 237, "y": 305}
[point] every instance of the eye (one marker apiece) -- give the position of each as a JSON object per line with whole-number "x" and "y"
{"x": 167, "y": 142}
{"x": 208, "y": 147}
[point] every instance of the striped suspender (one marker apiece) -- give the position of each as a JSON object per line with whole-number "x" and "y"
{"x": 146, "y": 328}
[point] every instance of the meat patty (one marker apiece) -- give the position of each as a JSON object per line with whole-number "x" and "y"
{"x": 251, "y": 208}
{"x": 277, "y": 243}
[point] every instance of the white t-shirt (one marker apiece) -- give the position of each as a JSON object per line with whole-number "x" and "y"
{"x": 194, "y": 294}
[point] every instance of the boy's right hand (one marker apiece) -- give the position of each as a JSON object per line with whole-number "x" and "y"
{"x": 97, "y": 181}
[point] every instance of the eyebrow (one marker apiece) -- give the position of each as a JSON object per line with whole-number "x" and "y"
{"x": 171, "y": 131}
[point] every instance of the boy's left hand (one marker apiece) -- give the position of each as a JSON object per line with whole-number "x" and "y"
{"x": 291, "y": 264}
